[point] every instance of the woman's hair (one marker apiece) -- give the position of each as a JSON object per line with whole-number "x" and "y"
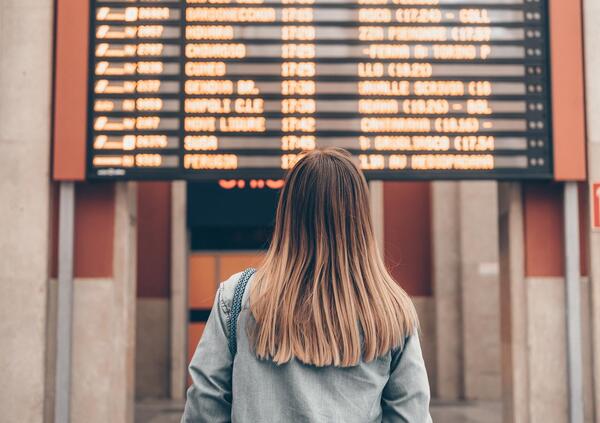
{"x": 323, "y": 294}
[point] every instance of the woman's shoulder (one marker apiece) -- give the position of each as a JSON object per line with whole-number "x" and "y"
{"x": 226, "y": 291}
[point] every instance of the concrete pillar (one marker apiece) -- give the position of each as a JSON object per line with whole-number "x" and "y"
{"x": 153, "y": 320}
{"x": 25, "y": 84}
{"x": 534, "y": 356}
{"x": 466, "y": 290}
{"x": 480, "y": 290}
{"x": 104, "y": 326}
{"x": 125, "y": 258}
{"x": 513, "y": 299}
{"x": 179, "y": 289}
{"x": 591, "y": 15}
{"x": 447, "y": 291}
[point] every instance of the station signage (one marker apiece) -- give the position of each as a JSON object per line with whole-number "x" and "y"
{"x": 414, "y": 89}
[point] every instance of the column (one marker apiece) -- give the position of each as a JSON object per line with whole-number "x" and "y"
{"x": 480, "y": 290}
{"x": 179, "y": 288}
{"x": 591, "y": 14}
{"x": 26, "y": 86}
{"x": 533, "y": 321}
{"x": 104, "y": 304}
{"x": 153, "y": 353}
{"x": 466, "y": 290}
{"x": 513, "y": 305}
{"x": 447, "y": 291}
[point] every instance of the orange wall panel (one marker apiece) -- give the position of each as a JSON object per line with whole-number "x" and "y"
{"x": 202, "y": 281}
{"x": 70, "y": 89}
{"x": 407, "y": 235}
{"x": 231, "y": 264}
{"x": 568, "y": 104}
{"x": 207, "y": 270}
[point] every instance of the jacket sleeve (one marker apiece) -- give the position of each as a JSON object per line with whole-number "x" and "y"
{"x": 406, "y": 395}
{"x": 209, "y": 396}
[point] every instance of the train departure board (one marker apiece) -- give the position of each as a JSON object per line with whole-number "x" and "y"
{"x": 414, "y": 89}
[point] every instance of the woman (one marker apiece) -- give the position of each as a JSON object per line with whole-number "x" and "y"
{"x": 324, "y": 333}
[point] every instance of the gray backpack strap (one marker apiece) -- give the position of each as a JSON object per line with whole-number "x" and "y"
{"x": 236, "y": 308}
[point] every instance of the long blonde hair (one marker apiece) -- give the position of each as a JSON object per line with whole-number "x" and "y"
{"x": 323, "y": 294}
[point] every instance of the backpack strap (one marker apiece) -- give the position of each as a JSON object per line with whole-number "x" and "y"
{"x": 236, "y": 308}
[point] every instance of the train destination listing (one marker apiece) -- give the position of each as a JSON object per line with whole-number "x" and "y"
{"x": 186, "y": 89}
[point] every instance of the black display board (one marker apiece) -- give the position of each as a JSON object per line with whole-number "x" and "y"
{"x": 415, "y": 89}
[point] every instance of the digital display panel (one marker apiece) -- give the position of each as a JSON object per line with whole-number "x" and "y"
{"x": 414, "y": 89}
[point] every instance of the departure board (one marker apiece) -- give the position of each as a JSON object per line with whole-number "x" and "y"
{"x": 414, "y": 89}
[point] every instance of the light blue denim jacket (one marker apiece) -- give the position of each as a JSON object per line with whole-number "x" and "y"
{"x": 392, "y": 388}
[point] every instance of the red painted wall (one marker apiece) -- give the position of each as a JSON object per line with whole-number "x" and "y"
{"x": 543, "y": 226}
{"x": 407, "y": 237}
{"x": 94, "y": 230}
{"x": 154, "y": 239}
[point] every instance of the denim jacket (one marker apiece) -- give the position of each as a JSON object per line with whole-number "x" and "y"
{"x": 392, "y": 388}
